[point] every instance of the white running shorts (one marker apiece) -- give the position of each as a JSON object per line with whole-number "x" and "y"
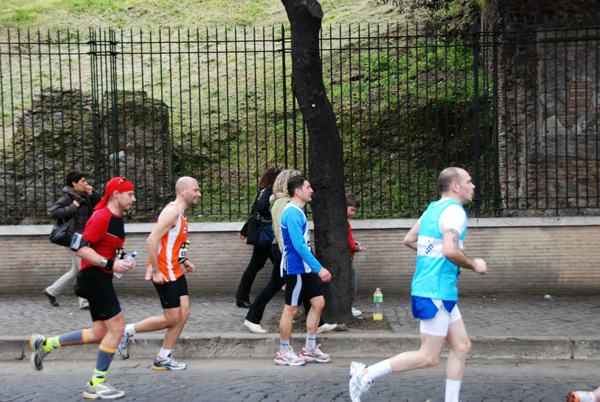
{"x": 438, "y": 325}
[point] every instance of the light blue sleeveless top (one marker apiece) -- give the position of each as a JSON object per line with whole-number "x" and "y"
{"x": 435, "y": 276}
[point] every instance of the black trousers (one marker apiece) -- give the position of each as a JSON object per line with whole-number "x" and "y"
{"x": 255, "y": 314}
{"x": 257, "y": 262}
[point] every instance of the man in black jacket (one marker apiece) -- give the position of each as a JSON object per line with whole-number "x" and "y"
{"x": 78, "y": 198}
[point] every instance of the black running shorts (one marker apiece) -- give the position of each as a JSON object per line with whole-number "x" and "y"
{"x": 96, "y": 286}
{"x": 301, "y": 286}
{"x": 170, "y": 292}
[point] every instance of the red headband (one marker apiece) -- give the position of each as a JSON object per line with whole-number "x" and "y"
{"x": 119, "y": 184}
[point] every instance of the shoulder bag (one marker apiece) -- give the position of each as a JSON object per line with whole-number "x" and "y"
{"x": 62, "y": 232}
{"x": 265, "y": 234}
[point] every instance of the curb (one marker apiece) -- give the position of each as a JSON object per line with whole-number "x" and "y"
{"x": 378, "y": 345}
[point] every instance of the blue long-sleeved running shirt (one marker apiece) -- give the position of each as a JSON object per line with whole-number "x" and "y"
{"x": 297, "y": 257}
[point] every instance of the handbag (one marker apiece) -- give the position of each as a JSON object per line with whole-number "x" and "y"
{"x": 62, "y": 232}
{"x": 266, "y": 235}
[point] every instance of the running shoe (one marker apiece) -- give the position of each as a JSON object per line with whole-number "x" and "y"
{"x": 289, "y": 358}
{"x": 359, "y": 383}
{"x": 168, "y": 364}
{"x": 102, "y": 391}
{"x": 122, "y": 351}
{"x": 581, "y": 396}
{"x": 36, "y": 343}
{"x": 356, "y": 312}
{"x": 315, "y": 355}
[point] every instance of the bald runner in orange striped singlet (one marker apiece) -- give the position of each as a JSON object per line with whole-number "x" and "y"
{"x": 172, "y": 249}
{"x": 167, "y": 252}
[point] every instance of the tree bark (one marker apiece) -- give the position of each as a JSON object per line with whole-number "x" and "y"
{"x": 325, "y": 157}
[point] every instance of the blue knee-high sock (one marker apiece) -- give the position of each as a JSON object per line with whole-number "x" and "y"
{"x": 72, "y": 338}
{"x": 105, "y": 356}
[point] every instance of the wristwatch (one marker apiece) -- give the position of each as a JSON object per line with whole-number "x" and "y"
{"x": 103, "y": 262}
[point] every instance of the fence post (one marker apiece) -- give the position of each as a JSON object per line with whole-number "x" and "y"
{"x": 111, "y": 54}
{"x": 476, "y": 174}
{"x": 284, "y": 114}
{"x": 96, "y": 131}
{"x": 496, "y": 117}
{"x": 104, "y": 71}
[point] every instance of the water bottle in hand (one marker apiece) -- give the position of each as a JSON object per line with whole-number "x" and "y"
{"x": 129, "y": 260}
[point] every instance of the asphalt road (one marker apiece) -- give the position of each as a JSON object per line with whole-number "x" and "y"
{"x": 261, "y": 380}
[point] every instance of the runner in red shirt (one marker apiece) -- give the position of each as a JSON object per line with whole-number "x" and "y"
{"x": 101, "y": 250}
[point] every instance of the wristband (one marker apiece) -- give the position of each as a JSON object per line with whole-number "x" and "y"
{"x": 108, "y": 265}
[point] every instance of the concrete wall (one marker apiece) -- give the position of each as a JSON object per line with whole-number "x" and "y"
{"x": 524, "y": 255}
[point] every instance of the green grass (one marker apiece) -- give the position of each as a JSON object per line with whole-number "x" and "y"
{"x": 394, "y": 90}
{"x": 55, "y": 14}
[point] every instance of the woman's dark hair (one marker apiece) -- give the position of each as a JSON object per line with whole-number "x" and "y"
{"x": 294, "y": 183}
{"x": 268, "y": 178}
{"x": 74, "y": 176}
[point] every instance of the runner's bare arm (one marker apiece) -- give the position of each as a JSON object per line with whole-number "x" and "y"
{"x": 452, "y": 251}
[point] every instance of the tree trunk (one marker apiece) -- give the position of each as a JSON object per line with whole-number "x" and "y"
{"x": 325, "y": 156}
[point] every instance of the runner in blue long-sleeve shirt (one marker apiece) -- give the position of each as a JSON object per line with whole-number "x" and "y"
{"x": 300, "y": 269}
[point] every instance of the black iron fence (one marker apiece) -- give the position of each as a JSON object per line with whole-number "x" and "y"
{"x": 216, "y": 104}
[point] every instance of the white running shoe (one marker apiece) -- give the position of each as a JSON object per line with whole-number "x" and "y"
{"x": 36, "y": 343}
{"x": 168, "y": 364}
{"x": 289, "y": 358}
{"x": 122, "y": 350}
{"x": 102, "y": 391}
{"x": 315, "y": 355}
{"x": 326, "y": 328}
{"x": 256, "y": 328}
{"x": 356, "y": 312}
{"x": 359, "y": 383}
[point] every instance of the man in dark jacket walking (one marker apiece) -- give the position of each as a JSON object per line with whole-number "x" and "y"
{"x": 79, "y": 199}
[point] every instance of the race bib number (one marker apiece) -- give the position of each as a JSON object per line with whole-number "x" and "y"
{"x": 183, "y": 252}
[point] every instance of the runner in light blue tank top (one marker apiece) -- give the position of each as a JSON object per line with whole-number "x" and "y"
{"x": 438, "y": 239}
{"x": 435, "y": 276}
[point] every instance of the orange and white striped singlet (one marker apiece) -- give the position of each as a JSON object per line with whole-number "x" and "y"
{"x": 172, "y": 248}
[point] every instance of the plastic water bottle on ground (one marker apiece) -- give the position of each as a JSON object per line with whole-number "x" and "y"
{"x": 129, "y": 260}
{"x": 378, "y": 308}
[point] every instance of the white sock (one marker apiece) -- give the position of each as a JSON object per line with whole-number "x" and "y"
{"x": 164, "y": 353}
{"x": 452, "y": 390}
{"x": 284, "y": 345}
{"x": 379, "y": 369}
{"x": 129, "y": 329}
{"x": 311, "y": 341}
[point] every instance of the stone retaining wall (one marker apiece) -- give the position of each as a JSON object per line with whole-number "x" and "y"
{"x": 524, "y": 255}
{"x": 547, "y": 105}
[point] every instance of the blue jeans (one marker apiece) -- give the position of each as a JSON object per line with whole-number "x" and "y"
{"x": 353, "y": 280}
